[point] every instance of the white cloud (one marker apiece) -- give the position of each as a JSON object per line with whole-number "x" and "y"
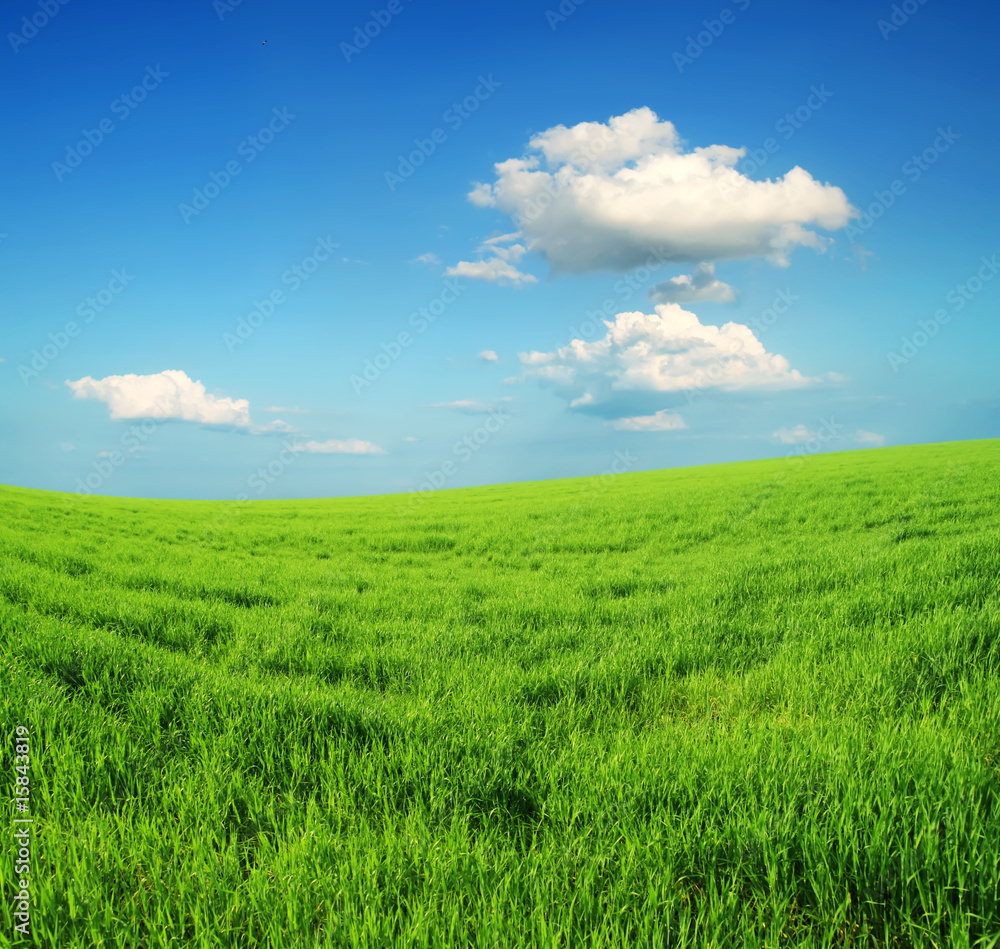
{"x": 861, "y": 256}
{"x": 481, "y": 195}
{"x": 494, "y": 270}
{"x": 278, "y": 425}
{"x": 611, "y": 193}
{"x": 669, "y": 351}
{"x": 488, "y": 355}
{"x": 498, "y": 265}
{"x": 67, "y": 446}
{"x": 428, "y": 258}
{"x": 662, "y": 421}
{"x": 869, "y": 438}
{"x": 350, "y": 446}
{"x": 164, "y": 395}
{"x": 702, "y": 285}
{"x": 503, "y": 239}
{"x": 794, "y": 436}
{"x": 410, "y": 438}
{"x": 285, "y": 410}
{"x": 471, "y": 406}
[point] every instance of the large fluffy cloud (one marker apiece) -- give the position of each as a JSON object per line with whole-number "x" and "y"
{"x": 170, "y": 394}
{"x": 669, "y": 351}
{"x": 601, "y": 196}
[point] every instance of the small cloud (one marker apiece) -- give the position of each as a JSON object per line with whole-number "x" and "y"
{"x": 869, "y": 438}
{"x": 662, "y": 421}
{"x": 277, "y": 427}
{"x": 793, "y": 436}
{"x": 487, "y": 355}
{"x": 134, "y": 449}
{"x": 481, "y": 195}
{"x": 170, "y": 394}
{"x": 502, "y": 239}
{"x": 492, "y": 271}
{"x": 350, "y": 446}
{"x": 2, "y": 359}
{"x": 410, "y": 438}
{"x": 498, "y": 266}
{"x": 67, "y": 446}
{"x": 861, "y": 256}
{"x": 285, "y": 410}
{"x": 701, "y": 286}
{"x": 428, "y": 258}
{"x": 471, "y": 406}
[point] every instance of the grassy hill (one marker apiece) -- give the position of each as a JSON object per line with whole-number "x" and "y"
{"x": 740, "y": 705}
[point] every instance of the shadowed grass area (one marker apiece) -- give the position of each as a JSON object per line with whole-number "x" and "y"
{"x": 749, "y": 705}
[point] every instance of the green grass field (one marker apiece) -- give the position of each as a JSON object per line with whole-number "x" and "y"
{"x": 754, "y": 704}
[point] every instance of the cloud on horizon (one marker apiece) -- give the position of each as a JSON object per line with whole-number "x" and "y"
{"x": 798, "y": 435}
{"x": 869, "y": 438}
{"x": 662, "y": 421}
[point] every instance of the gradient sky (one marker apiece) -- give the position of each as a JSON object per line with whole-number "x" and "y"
{"x": 167, "y": 174}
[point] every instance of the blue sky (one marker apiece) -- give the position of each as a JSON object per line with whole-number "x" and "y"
{"x": 220, "y": 254}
